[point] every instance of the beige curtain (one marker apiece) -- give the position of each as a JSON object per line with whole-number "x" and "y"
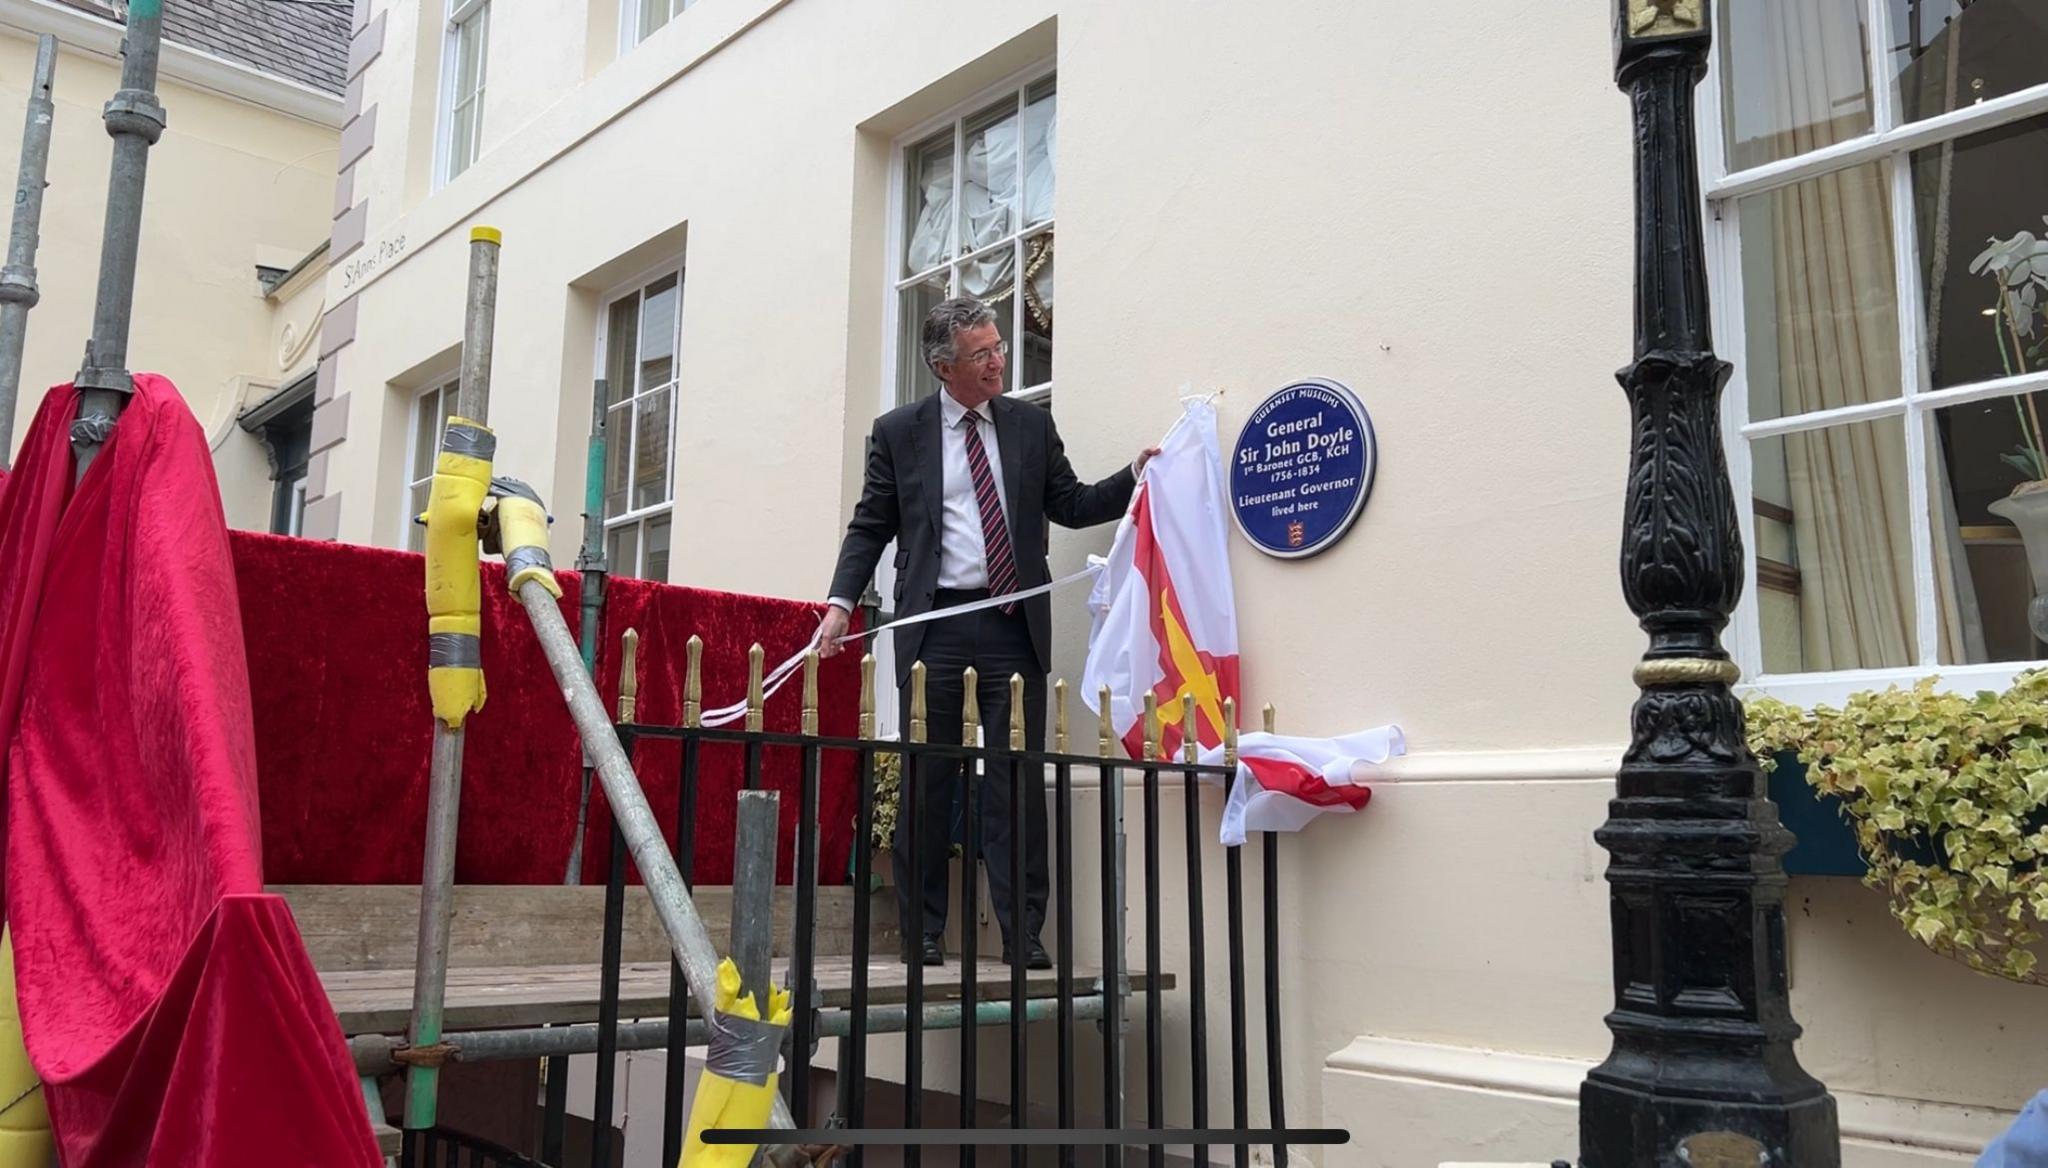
{"x": 1837, "y": 346}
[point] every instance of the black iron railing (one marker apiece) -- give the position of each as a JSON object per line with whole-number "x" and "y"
{"x": 440, "y": 1147}
{"x": 1103, "y": 1000}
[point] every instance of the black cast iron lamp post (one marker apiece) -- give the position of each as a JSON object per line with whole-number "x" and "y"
{"x": 1702, "y": 1073}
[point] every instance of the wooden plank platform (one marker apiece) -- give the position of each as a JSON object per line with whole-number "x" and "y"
{"x": 379, "y": 1001}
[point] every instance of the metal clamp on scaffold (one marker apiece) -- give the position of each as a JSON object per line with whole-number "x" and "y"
{"x": 516, "y": 523}
{"x": 462, "y": 478}
{"x": 737, "y": 1088}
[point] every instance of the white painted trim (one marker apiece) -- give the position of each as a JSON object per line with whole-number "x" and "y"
{"x": 1915, "y": 1124}
{"x": 1833, "y": 689}
{"x": 82, "y": 32}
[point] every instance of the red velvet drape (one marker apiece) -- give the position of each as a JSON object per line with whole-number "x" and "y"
{"x": 167, "y": 1003}
{"x": 336, "y": 639}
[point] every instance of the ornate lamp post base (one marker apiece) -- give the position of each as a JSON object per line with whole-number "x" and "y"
{"x": 1702, "y": 1074}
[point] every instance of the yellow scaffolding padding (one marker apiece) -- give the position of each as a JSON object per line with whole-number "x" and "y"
{"x": 523, "y": 533}
{"x": 25, "y": 1139}
{"x": 737, "y": 1088}
{"x": 462, "y": 476}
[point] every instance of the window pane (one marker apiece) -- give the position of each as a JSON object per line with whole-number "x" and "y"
{"x": 1953, "y": 53}
{"x": 622, "y": 551}
{"x": 415, "y": 506}
{"x": 657, "y": 548}
{"x": 927, "y": 234}
{"x": 1040, "y": 153}
{"x": 658, "y": 334}
{"x": 988, "y": 182}
{"x": 462, "y": 139}
{"x": 1834, "y": 548}
{"x": 1819, "y": 295}
{"x": 914, "y": 377}
{"x": 1980, "y": 203}
{"x": 650, "y": 450}
{"x": 1794, "y": 77}
{"x": 468, "y": 55}
{"x": 1985, "y": 536}
{"x": 653, "y": 14}
{"x": 621, "y": 333}
{"x": 426, "y": 433}
{"x": 618, "y": 446}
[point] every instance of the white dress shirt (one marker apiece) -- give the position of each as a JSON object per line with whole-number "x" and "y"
{"x": 963, "y": 556}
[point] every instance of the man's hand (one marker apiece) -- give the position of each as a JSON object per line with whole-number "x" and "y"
{"x": 837, "y": 621}
{"x": 1144, "y": 456}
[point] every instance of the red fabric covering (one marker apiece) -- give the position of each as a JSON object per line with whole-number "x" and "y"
{"x": 666, "y": 617}
{"x": 133, "y": 878}
{"x": 336, "y": 635}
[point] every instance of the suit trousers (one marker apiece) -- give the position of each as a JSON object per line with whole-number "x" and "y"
{"x": 997, "y": 645}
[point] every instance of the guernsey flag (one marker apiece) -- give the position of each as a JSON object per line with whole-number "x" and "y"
{"x": 1165, "y": 615}
{"x": 1166, "y": 623}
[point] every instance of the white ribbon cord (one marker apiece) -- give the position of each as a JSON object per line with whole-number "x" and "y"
{"x": 780, "y": 675}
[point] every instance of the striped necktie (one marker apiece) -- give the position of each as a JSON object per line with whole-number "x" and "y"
{"x": 995, "y": 533}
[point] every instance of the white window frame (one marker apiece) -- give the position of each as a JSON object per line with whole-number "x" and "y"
{"x": 1017, "y": 88}
{"x": 450, "y": 384}
{"x": 629, "y": 20}
{"x": 460, "y": 13}
{"x": 295, "y": 519}
{"x": 1891, "y": 143}
{"x": 639, "y": 516}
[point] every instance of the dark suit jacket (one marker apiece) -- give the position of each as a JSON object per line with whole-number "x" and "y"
{"x": 903, "y": 499}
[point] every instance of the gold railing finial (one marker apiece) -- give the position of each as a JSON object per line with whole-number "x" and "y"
{"x": 755, "y": 702}
{"x": 1151, "y": 726}
{"x": 1016, "y": 711}
{"x": 1269, "y": 717}
{"x": 970, "y": 708}
{"x": 1104, "y": 722}
{"x": 1059, "y": 715}
{"x": 1230, "y": 732}
{"x": 867, "y": 696}
{"x": 809, "y": 724}
{"x": 1190, "y": 742}
{"x": 693, "y": 682}
{"x": 917, "y": 701}
{"x": 629, "y": 676}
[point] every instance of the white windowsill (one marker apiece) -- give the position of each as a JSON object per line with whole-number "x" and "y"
{"x": 1833, "y": 689}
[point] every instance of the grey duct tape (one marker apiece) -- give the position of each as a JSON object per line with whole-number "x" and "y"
{"x": 454, "y": 651}
{"x": 743, "y": 1049}
{"x": 519, "y": 559}
{"x": 474, "y": 441}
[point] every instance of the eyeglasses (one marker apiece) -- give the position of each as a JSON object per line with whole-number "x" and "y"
{"x": 984, "y": 356}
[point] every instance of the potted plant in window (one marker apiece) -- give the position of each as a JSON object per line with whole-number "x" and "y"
{"x": 2020, "y": 265}
{"x": 1948, "y": 797}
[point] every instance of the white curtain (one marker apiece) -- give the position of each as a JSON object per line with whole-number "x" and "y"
{"x": 1832, "y": 265}
{"x": 990, "y": 207}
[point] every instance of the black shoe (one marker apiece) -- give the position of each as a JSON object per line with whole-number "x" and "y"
{"x": 1035, "y": 956}
{"x": 934, "y": 953}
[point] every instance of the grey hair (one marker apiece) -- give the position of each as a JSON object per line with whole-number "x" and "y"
{"x": 943, "y": 322}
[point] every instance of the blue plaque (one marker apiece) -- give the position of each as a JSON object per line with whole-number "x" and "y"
{"x": 1302, "y": 468}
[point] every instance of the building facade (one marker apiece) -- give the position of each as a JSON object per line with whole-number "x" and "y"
{"x": 730, "y": 214}
{"x": 230, "y": 276}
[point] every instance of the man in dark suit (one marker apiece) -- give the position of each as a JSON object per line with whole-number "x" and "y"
{"x": 965, "y": 481}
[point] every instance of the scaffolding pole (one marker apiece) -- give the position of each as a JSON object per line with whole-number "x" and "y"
{"x": 592, "y": 569}
{"x": 135, "y": 120}
{"x": 18, "y": 291}
{"x": 635, "y": 819}
{"x": 444, "y": 791}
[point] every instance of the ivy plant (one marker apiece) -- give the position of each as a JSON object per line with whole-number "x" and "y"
{"x": 1948, "y": 796}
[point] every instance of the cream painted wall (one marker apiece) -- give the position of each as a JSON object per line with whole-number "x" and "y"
{"x": 231, "y": 185}
{"x": 1429, "y": 202}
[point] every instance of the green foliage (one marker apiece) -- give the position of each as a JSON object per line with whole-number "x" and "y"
{"x": 888, "y": 793}
{"x": 1948, "y": 796}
